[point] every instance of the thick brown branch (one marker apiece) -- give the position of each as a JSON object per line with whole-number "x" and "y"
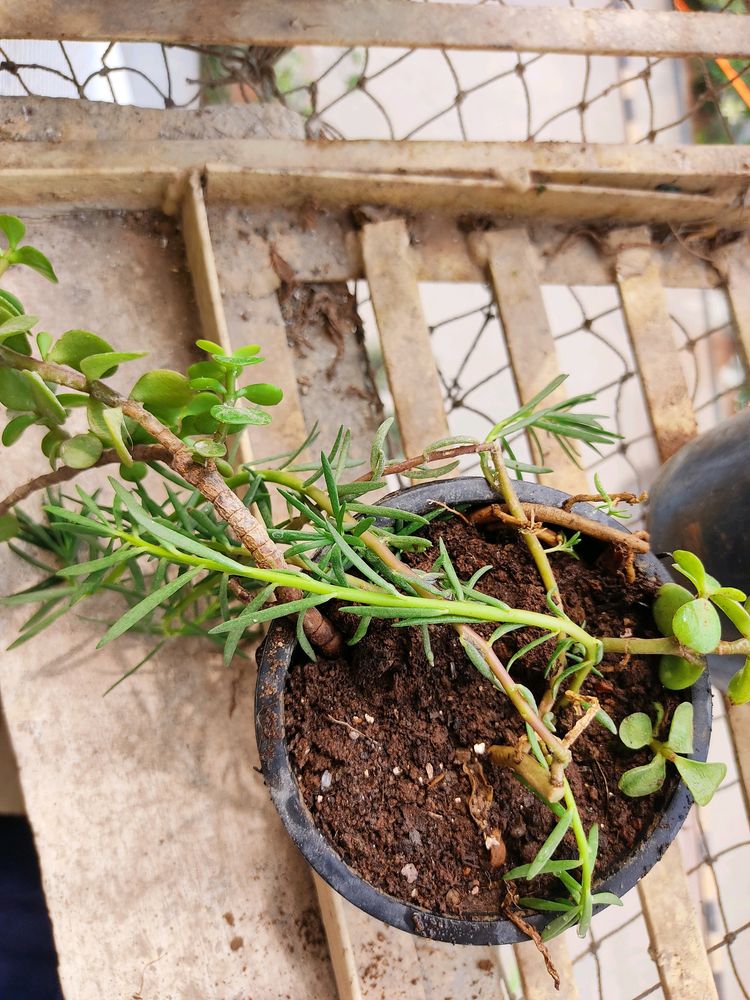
{"x": 140, "y": 453}
{"x": 250, "y": 532}
{"x": 563, "y": 519}
{"x": 629, "y": 498}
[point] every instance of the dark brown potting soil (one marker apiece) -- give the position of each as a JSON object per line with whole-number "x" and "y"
{"x": 378, "y": 739}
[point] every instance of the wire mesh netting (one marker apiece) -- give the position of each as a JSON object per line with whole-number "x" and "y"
{"x": 387, "y": 93}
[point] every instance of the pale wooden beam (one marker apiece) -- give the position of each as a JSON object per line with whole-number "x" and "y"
{"x": 404, "y": 336}
{"x": 536, "y": 981}
{"x": 202, "y": 265}
{"x": 650, "y": 328}
{"x": 531, "y": 346}
{"x": 736, "y": 270}
{"x": 676, "y": 941}
{"x": 385, "y": 22}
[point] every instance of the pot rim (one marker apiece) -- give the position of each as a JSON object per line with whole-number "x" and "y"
{"x": 273, "y": 665}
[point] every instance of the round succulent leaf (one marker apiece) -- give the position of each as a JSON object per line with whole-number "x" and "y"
{"x": 13, "y": 228}
{"x": 732, "y": 593}
{"x": 209, "y": 346}
{"x": 224, "y": 468}
{"x": 46, "y": 403}
{"x": 712, "y": 585}
{"x": 51, "y": 443}
{"x": 9, "y": 305}
{"x": 734, "y": 611}
{"x": 15, "y": 391}
{"x": 644, "y": 780}
{"x": 202, "y": 384}
{"x": 669, "y": 599}
{"x": 135, "y": 473}
{"x": 114, "y": 421}
{"x": 697, "y": 625}
{"x": 15, "y": 427}
{"x": 98, "y": 365}
{"x": 636, "y": 730}
{"x": 247, "y": 351}
{"x": 681, "y": 729}
{"x": 36, "y": 260}
{"x": 14, "y": 326}
{"x": 236, "y": 361}
{"x": 208, "y": 448}
{"x": 163, "y": 392}
{"x": 81, "y": 451}
{"x": 676, "y": 673}
{"x": 75, "y": 345}
{"x": 240, "y": 417}
{"x": 739, "y": 685}
{"x": 701, "y": 777}
{"x": 262, "y": 393}
{"x": 691, "y": 567}
{"x": 205, "y": 369}
{"x": 44, "y": 342}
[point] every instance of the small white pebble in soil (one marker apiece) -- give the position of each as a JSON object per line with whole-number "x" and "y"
{"x": 475, "y": 890}
{"x": 353, "y": 735}
{"x": 325, "y": 781}
{"x": 319, "y": 798}
{"x": 430, "y": 771}
{"x": 457, "y": 799}
{"x": 397, "y": 771}
{"x": 356, "y": 720}
{"x": 415, "y": 837}
{"x": 369, "y": 719}
{"x": 367, "y": 773}
{"x": 414, "y": 894}
{"x": 420, "y": 779}
{"x": 479, "y": 748}
{"x": 410, "y": 873}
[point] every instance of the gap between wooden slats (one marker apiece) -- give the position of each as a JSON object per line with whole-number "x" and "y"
{"x": 678, "y": 946}
{"x": 404, "y": 336}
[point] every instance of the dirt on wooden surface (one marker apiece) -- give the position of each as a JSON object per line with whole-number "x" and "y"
{"x": 378, "y": 740}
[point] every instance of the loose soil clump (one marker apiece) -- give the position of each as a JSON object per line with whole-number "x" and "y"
{"x": 382, "y": 741}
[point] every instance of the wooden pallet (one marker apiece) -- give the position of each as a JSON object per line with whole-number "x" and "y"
{"x": 149, "y": 819}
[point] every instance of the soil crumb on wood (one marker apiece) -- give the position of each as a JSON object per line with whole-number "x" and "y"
{"x": 378, "y": 739}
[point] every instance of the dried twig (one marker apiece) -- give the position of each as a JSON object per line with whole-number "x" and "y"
{"x": 512, "y": 912}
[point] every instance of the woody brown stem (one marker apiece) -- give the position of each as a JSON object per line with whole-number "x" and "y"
{"x": 562, "y": 519}
{"x": 250, "y": 532}
{"x": 140, "y": 453}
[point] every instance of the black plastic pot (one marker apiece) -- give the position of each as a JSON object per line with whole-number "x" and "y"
{"x": 269, "y": 722}
{"x": 701, "y": 501}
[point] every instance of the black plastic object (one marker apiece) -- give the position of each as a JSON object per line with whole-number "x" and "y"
{"x": 28, "y": 964}
{"x": 701, "y": 501}
{"x": 269, "y": 722}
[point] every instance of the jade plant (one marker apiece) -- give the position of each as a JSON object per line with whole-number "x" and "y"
{"x": 186, "y": 537}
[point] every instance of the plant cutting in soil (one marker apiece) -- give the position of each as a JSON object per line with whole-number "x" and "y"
{"x": 518, "y": 623}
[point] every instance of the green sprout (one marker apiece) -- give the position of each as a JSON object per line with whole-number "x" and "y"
{"x": 637, "y": 731}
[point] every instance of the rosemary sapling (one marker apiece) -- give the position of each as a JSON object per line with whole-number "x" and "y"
{"x": 187, "y": 540}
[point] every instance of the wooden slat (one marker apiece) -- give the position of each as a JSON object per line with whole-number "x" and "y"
{"x": 650, "y": 328}
{"x": 202, "y": 266}
{"x": 11, "y": 796}
{"x": 530, "y": 343}
{"x": 135, "y": 175}
{"x": 404, "y": 337}
{"x": 676, "y": 940}
{"x": 536, "y": 981}
{"x": 737, "y": 274}
{"x": 384, "y": 22}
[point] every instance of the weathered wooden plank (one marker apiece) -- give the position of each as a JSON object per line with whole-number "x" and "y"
{"x": 202, "y": 264}
{"x": 650, "y": 329}
{"x": 135, "y": 175}
{"x": 676, "y": 940}
{"x": 11, "y": 796}
{"x": 531, "y": 346}
{"x": 737, "y": 275}
{"x": 385, "y": 22}
{"x": 404, "y": 337}
{"x": 536, "y": 981}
